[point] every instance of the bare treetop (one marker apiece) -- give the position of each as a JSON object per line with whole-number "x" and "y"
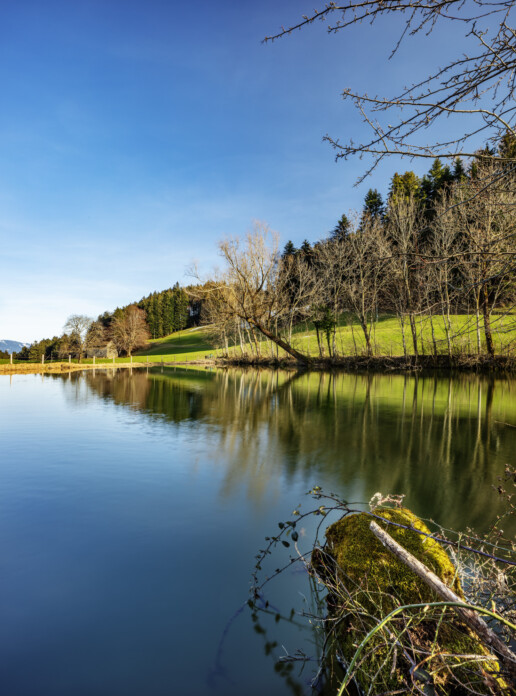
{"x": 478, "y": 87}
{"x": 78, "y": 324}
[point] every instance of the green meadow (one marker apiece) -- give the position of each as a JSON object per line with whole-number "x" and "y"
{"x": 195, "y": 345}
{"x": 386, "y": 336}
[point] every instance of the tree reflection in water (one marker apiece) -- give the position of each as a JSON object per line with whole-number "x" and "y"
{"x": 441, "y": 441}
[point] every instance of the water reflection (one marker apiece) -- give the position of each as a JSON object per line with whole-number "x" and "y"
{"x": 443, "y": 442}
{"x": 132, "y": 505}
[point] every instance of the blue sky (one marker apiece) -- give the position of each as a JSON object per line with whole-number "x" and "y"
{"x": 134, "y": 135}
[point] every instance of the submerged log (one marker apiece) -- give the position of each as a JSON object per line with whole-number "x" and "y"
{"x": 366, "y": 582}
{"x": 469, "y": 616}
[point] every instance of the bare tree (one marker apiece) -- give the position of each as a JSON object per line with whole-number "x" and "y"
{"x": 248, "y": 289}
{"x": 403, "y": 227}
{"x": 478, "y": 87}
{"x": 486, "y": 218}
{"x": 296, "y": 287}
{"x": 96, "y": 336}
{"x": 366, "y": 274}
{"x": 477, "y": 91}
{"x": 328, "y": 302}
{"x": 77, "y": 326}
{"x": 443, "y": 274}
{"x": 222, "y": 326}
{"x": 129, "y": 330}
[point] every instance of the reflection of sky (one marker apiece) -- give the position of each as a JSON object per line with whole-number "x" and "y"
{"x": 131, "y": 510}
{"x": 117, "y": 551}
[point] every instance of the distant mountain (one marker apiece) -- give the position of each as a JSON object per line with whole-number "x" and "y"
{"x": 12, "y": 346}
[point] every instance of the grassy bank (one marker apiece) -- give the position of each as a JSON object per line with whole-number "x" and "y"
{"x": 26, "y": 368}
{"x": 387, "y": 337}
{"x": 182, "y": 347}
{"x": 194, "y": 345}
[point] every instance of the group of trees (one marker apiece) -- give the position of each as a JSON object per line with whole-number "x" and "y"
{"x": 440, "y": 246}
{"x": 127, "y": 328}
{"x": 167, "y": 311}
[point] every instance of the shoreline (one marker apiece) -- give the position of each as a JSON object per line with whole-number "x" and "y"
{"x": 65, "y": 367}
{"x": 466, "y": 363}
{"x": 362, "y": 363}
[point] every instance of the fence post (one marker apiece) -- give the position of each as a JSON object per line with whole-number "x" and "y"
{"x": 94, "y": 360}
{"x": 11, "y": 358}
{"x": 69, "y": 359}
{"x": 43, "y": 359}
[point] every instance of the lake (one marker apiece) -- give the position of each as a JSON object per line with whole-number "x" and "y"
{"x": 133, "y": 503}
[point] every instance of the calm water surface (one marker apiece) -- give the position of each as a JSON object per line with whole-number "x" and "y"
{"x": 132, "y": 506}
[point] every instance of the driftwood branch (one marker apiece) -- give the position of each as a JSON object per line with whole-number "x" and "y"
{"x": 485, "y": 634}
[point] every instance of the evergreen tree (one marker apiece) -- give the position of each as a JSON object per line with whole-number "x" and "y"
{"x": 341, "y": 229}
{"x": 438, "y": 178}
{"x": 459, "y": 171}
{"x": 159, "y": 315}
{"x": 152, "y": 316}
{"x": 168, "y": 313}
{"x": 36, "y": 350}
{"x": 307, "y": 252}
{"x": 405, "y": 185}
{"x": 289, "y": 250}
{"x": 507, "y": 146}
{"x": 373, "y": 204}
{"x": 23, "y": 354}
{"x": 181, "y": 308}
{"x": 482, "y": 156}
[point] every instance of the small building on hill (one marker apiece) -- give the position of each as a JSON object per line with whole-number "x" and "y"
{"x": 107, "y": 351}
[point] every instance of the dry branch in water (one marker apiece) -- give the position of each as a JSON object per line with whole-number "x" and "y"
{"x": 486, "y": 635}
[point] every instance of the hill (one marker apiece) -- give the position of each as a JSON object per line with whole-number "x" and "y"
{"x": 12, "y": 346}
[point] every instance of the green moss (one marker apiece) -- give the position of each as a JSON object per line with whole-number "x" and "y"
{"x": 366, "y": 582}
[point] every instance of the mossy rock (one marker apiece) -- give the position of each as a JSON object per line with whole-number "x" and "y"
{"x": 365, "y": 582}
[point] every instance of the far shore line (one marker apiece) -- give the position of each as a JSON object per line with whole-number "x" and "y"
{"x": 357, "y": 363}
{"x": 64, "y": 367}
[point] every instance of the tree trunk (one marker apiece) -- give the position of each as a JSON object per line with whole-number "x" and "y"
{"x": 413, "y": 329}
{"x": 477, "y": 317}
{"x": 367, "y": 336}
{"x": 469, "y": 616}
{"x": 487, "y": 324}
{"x": 434, "y": 343}
{"x": 402, "y": 322}
{"x": 328, "y": 334}
{"x": 353, "y": 337}
{"x": 421, "y": 329}
{"x": 321, "y": 347}
{"x": 281, "y": 343}
{"x": 257, "y": 346}
{"x": 446, "y": 322}
{"x": 242, "y": 351}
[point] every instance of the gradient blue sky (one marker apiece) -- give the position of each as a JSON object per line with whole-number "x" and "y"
{"x": 135, "y": 135}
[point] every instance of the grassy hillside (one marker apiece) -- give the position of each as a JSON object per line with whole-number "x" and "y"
{"x": 193, "y": 344}
{"x": 190, "y": 343}
{"x": 386, "y": 335}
